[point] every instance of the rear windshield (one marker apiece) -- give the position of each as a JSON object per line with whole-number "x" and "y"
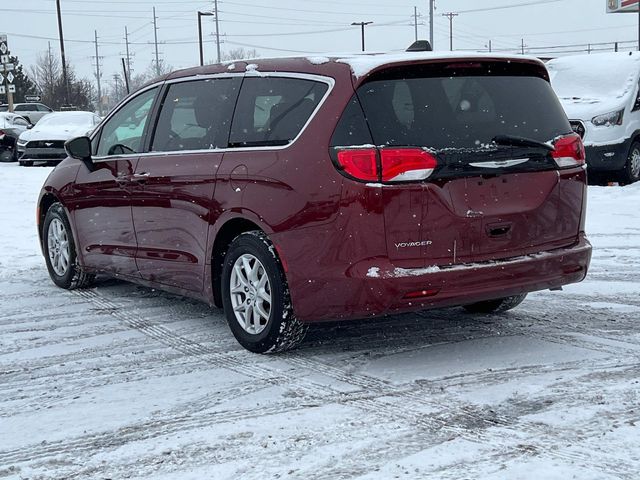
{"x": 461, "y": 110}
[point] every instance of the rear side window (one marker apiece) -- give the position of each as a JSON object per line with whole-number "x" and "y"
{"x": 273, "y": 110}
{"x": 461, "y": 111}
{"x": 23, "y": 108}
{"x": 196, "y": 115}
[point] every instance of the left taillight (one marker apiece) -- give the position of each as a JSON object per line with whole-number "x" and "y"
{"x": 387, "y": 164}
{"x": 568, "y": 151}
{"x": 2, "y": 134}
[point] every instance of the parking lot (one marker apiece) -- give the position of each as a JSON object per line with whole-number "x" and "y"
{"x": 122, "y": 381}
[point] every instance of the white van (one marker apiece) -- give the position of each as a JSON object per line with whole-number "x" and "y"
{"x": 600, "y": 94}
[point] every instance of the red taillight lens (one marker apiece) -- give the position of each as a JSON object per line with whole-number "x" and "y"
{"x": 360, "y": 163}
{"x": 1, "y": 134}
{"x": 406, "y": 164}
{"x": 569, "y": 151}
{"x": 398, "y": 164}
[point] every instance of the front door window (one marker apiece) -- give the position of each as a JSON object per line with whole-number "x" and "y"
{"x": 122, "y": 133}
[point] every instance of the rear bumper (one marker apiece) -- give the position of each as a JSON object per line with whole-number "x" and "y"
{"x": 377, "y": 288}
{"x": 608, "y": 157}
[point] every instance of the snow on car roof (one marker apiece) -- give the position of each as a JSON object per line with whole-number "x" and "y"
{"x": 363, "y": 64}
{"x": 596, "y": 77}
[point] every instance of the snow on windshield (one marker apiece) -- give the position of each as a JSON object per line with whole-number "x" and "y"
{"x": 596, "y": 76}
{"x": 78, "y": 119}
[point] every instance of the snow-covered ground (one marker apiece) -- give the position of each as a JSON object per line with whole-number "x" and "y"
{"x": 122, "y": 381}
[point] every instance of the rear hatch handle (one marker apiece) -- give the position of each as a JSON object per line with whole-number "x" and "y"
{"x": 499, "y": 230}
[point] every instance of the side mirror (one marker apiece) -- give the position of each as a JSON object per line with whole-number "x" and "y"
{"x": 30, "y": 126}
{"x": 79, "y": 148}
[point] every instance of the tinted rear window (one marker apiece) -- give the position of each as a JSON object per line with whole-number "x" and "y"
{"x": 461, "y": 110}
{"x": 273, "y": 110}
{"x": 24, "y": 108}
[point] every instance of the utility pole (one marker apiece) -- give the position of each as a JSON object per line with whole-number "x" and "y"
{"x": 98, "y": 75}
{"x": 155, "y": 34}
{"x": 64, "y": 60}
{"x": 431, "y": 8}
{"x": 126, "y": 76}
{"x": 490, "y": 46}
{"x": 362, "y": 25}
{"x": 216, "y": 13}
{"x": 126, "y": 42}
{"x": 415, "y": 21}
{"x": 450, "y": 16}
{"x": 523, "y": 45}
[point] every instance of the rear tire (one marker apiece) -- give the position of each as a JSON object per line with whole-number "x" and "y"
{"x": 6, "y": 155}
{"x": 496, "y": 306}
{"x": 631, "y": 171}
{"x": 60, "y": 251}
{"x": 256, "y": 297}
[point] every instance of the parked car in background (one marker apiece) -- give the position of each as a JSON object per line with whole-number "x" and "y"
{"x": 33, "y": 112}
{"x": 11, "y": 126}
{"x": 601, "y": 96}
{"x": 45, "y": 141}
{"x": 291, "y": 191}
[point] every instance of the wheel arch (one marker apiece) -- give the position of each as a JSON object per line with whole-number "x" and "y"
{"x": 226, "y": 233}
{"x": 48, "y": 198}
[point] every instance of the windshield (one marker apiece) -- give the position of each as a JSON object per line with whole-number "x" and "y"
{"x": 592, "y": 76}
{"x": 462, "y": 111}
{"x": 76, "y": 120}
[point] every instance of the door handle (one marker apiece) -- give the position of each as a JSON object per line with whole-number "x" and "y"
{"x": 140, "y": 177}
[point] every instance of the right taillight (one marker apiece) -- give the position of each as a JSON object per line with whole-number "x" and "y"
{"x": 395, "y": 164}
{"x": 569, "y": 151}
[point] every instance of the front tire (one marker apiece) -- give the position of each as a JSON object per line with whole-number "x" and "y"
{"x": 256, "y": 297}
{"x": 60, "y": 251}
{"x": 496, "y": 306}
{"x": 631, "y": 171}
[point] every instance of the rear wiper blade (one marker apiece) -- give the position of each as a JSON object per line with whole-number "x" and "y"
{"x": 514, "y": 141}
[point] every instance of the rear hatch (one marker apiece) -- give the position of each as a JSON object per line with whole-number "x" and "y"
{"x": 472, "y": 158}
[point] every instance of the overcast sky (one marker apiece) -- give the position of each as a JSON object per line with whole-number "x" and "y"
{"x": 286, "y": 27}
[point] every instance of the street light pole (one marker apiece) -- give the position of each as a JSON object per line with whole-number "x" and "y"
{"x": 200, "y": 15}
{"x": 362, "y": 25}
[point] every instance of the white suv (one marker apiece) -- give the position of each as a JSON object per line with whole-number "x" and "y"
{"x": 32, "y": 112}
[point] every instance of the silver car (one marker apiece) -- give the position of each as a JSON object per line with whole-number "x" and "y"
{"x": 32, "y": 112}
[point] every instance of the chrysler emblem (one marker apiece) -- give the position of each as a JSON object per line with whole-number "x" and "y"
{"x": 48, "y": 144}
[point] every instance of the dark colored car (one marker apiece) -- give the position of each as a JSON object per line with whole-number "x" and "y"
{"x": 300, "y": 190}
{"x": 11, "y": 126}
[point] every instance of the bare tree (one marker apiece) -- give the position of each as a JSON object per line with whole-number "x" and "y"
{"x": 46, "y": 73}
{"x": 239, "y": 54}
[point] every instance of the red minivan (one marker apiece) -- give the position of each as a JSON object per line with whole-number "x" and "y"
{"x": 291, "y": 191}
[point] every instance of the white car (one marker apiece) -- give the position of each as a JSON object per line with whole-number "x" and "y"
{"x": 32, "y": 112}
{"x": 600, "y": 94}
{"x": 45, "y": 141}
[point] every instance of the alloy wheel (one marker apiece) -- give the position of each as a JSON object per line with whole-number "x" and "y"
{"x": 58, "y": 247}
{"x": 250, "y": 292}
{"x": 635, "y": 163}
